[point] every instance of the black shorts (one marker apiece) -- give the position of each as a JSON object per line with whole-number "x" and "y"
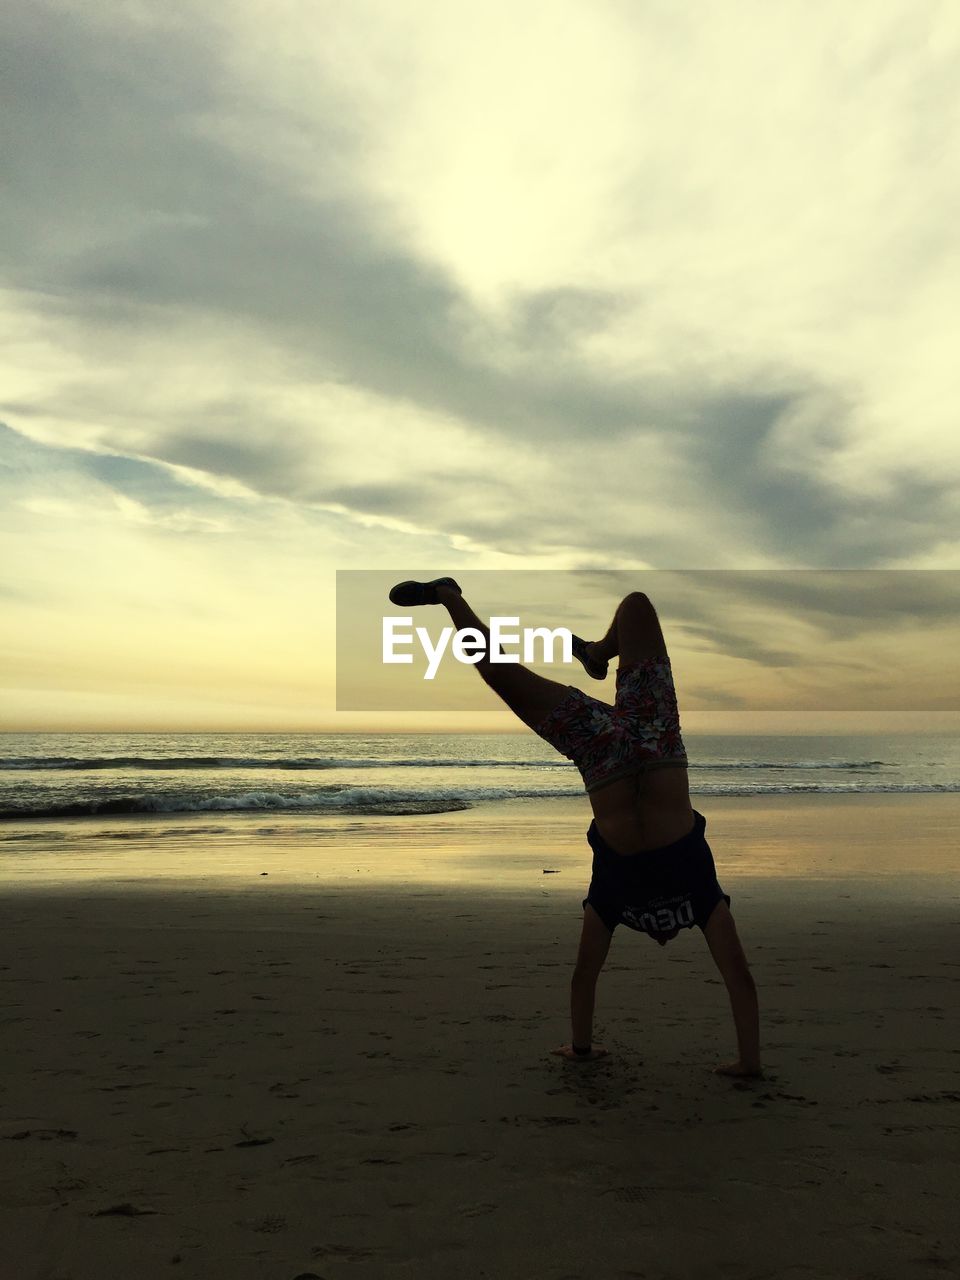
{"x": 659, "y": 891}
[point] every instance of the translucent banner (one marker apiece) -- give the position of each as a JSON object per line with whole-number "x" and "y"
{"x": 800, "y": 639}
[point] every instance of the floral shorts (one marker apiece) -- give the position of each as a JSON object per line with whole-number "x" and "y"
{"x": 608, "y": 742}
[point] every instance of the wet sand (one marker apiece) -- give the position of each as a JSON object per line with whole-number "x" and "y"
{"x": 211, "y": 1072}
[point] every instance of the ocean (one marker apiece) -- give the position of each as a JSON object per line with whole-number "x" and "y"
{"x": 52, "y": 776}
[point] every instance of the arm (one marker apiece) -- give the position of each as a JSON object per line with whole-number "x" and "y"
{"x": 594, "y": 945}
{"x": 721, "y": 935}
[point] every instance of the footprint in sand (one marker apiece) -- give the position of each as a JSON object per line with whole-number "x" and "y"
{"x": 267, "y": 1226}
{"x": 629, "y": 1195}
{"x": 478, "y": 1210}
{"x": 550, "y": 1121}
{"x": 123, "y": 1211}
{"x": 350, "y": 1253}
{"x": 45, "y": 1135}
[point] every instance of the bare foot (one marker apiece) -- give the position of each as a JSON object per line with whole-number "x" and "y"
{"x": 566, "y": 1051}
{"x": 738, "y": 1069}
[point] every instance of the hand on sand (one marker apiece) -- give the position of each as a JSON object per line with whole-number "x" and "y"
{"x": 738, "y": 1069}
{"x": 566, "y": 1051}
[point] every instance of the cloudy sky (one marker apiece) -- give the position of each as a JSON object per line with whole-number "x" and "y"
{"x": 295, "y": 287}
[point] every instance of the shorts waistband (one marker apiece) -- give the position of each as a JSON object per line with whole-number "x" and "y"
{"x": 694, "y": 835}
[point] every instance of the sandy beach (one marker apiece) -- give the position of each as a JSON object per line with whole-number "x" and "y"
{"x": 209, "y": 1071}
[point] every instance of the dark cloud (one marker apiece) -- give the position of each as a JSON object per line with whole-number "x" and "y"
{"x": 841, "y": 603}
{"x": 28, "y": 465}
{"x": 735, "y": 642}
{"x": 141, "y": 211}
{"x": 122, "y": 216}
{"x": 548, "y": 319}
{"x": 708, "y": 697}
{"x": 400, "y": 500}
{"x": 735, "y": 456}
{"x": 264, "y": 465}
{"x": 150, "y": 214}
{"x": 720, "y": 607}
{"x": 9, "y": 591}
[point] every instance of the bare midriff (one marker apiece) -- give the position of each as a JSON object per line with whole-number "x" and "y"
{"x": 643, "y": 812}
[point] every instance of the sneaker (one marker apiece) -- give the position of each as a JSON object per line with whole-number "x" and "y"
{"x": 409, "y": 593}
{"x": 592, "y": 667}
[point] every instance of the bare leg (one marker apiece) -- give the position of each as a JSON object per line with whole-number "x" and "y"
{"x": 634, "y": 632}
{"x": 530, "y": 696}
{"x": 721, "y": 935}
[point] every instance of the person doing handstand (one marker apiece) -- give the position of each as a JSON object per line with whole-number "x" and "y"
{"x": 653, "y": 869}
